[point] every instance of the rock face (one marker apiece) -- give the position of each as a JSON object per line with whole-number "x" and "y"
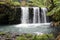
{"x": 55, "y": 24}
{"x": 9, "y": 15}
{"x": 3, "y": 15}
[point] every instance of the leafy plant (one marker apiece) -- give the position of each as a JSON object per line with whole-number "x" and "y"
{"x": 38, "y": 3}
{"x": 55, "y": 12}
{"x": 44, "y": 37}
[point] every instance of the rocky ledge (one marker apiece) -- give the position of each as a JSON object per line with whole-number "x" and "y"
{"x": 55, "y": 24}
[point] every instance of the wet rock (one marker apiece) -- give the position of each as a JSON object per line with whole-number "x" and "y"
{"x": 58, "y": 37}
{"x": 55, "y": 24}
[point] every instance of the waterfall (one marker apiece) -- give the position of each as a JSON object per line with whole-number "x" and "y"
{"x": 34, "y": 14}
{"x": 44, "y": 10}
{"x": 25, "y": 15}
{"x": 36, "y": 17}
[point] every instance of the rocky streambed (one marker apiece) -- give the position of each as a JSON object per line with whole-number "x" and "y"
{"x": 24, "y": 36}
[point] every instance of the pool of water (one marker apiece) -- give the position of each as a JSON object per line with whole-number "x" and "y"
{"x": 28, "y": 28}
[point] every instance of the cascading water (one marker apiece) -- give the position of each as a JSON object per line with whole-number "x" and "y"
{"x": 44, "y": 10}
{"x": 25, "y": 15}
{"x": 39, "y": 16}
{"x": 35, "y": 12}
{"x": 36, "y": 15}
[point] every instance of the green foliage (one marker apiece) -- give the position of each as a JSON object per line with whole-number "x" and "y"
{"x": 8, "y": 1}
{"x": 56, "y": 8}
{"x": 21, "y": 38}
{"x": 28, "y": 35}
{"x": 55, "y": 12}
{"x": 15, "y": 0}
{"x": 52, "y": 5}
{"x": 15, "y": 3}
{"x": 11, "y": 2}
{"x": 44, "y": 37}
{"x": 36, "y": 37}
{"x": 38, "y": 3}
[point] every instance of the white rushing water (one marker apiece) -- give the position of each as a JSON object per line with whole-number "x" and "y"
{"x": 25, "y": 15}
{"x": 44, "y": 11}
{"x": 39, "y": 16}
{"x": 36, "y": 16}
{"x": 32, "y": 25}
